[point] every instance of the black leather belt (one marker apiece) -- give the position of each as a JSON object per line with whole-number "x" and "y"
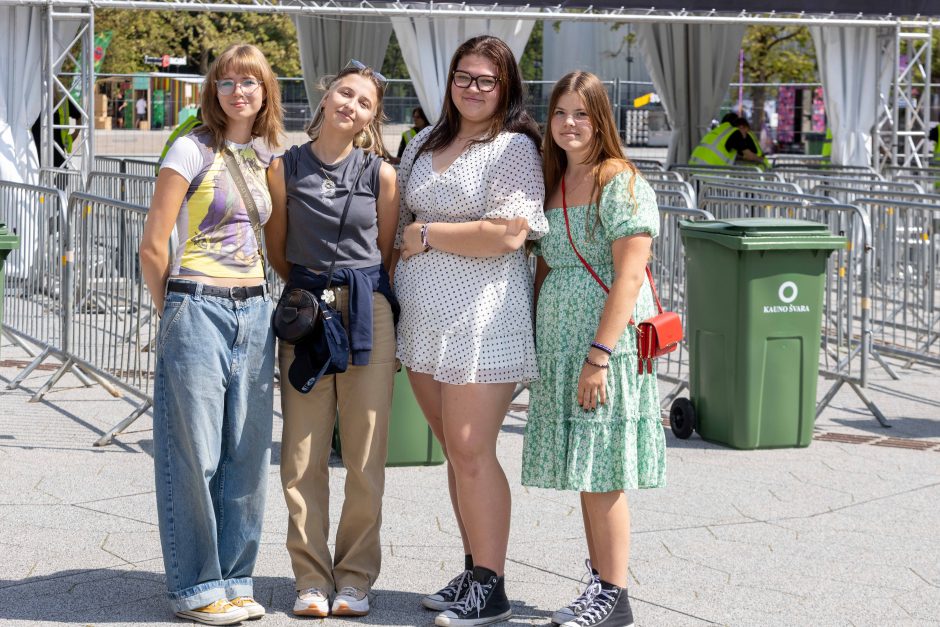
{"x": 235, "y": 293}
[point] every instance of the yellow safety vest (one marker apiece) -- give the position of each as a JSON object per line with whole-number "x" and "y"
{"x": 827, "y": 146}
{"x": 408, "y": 135}
{"x": 760, "y": 153}
{"x": 711, "y": 150}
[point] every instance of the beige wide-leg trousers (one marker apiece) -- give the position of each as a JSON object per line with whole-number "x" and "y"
{"x": 362, "y": 396}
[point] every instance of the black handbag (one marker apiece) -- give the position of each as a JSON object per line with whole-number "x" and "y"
{"x": 316, "y": 330}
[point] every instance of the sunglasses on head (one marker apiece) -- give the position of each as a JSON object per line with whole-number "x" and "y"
{"x": 359, "y": 65}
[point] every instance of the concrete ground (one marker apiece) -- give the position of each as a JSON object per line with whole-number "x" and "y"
{"x": 844, "y": 532}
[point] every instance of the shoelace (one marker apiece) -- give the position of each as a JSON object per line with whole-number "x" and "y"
{"x": 351, "y": 592}
{"x": 455, "y": 584}
{"x": 474, "y": 601}
{"x": 602, "y": 604}
{"x": 591, "y": 591}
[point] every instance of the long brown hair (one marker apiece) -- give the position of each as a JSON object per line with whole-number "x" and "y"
{"x": 606, "y": 156}
{"x": 243, "y": 59}
{"x": 510, "y": 115}
{"x": 370, "y": 137}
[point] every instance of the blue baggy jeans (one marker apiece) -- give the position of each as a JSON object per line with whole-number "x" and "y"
{"x": 213, "y": 409}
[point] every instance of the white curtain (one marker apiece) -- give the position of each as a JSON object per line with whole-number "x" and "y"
{"x": 20, "y": 97}
{"x": 427, "y": 45}
{"x": 602, "y": 48}
{"x": 327, "y": 44}
{"x": 851, "y": 73}
{"x": 691, "y": 66}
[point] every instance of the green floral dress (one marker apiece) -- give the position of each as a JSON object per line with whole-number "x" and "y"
{"x": 621, "y": 445}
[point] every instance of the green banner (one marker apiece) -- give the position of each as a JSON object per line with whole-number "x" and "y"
{"x": 102, "y": 41}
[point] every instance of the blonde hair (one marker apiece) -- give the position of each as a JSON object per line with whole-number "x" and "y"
{"x": 370, "y": 137}
{"x": 248, "y": 60}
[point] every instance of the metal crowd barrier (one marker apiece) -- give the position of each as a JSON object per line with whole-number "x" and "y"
{"x": 792, "y": 160}
{"x": 727, "y": 201}
{"x": 808, "y": 178}
{"x": 656, "y": 175}
{"x": 111, "y": 322}
{"x": 141, "y": 167}
{"x": 68, "y": 181}
{"x": 131, "y": 188}
{"x": 674, "y": 194}
{"x": 668, "y": 269}
{"x": 109, "y": 164}
{"x": 847, "y": 314}
{"x": 847, "y": 193}
{"x": 33, "y": 294}
{"x": 906, "y": 283}
{"x": 648, "y": 164}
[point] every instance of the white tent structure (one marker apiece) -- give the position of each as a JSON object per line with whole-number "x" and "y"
{"x": 686, "y": 44}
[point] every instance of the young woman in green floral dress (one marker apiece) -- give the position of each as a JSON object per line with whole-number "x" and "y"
{"x": 594, "y": 422}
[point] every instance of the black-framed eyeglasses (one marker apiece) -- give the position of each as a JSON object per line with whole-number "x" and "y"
{"x": 226, "y": 86}
{"x": 485, "y": 82}
{"x": 359, "y": 65}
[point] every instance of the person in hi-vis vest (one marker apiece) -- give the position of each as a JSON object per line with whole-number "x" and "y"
{"x": 420, "y": 121}
{"x": 713, "y": 150}
{"x": 745, "y": 145}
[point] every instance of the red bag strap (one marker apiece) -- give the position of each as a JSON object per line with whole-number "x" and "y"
{"x": 649, "y": 274}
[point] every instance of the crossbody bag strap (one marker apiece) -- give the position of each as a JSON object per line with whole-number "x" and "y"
{"x": 250, "y": 205}
{"x": 342, "y": 219}
{"x": 649, "y": 274}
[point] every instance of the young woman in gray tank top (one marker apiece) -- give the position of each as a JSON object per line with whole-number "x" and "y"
{"x": 309, "y": 188}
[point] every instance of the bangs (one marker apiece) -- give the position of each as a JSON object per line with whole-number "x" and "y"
{"x": 244, "y": 60}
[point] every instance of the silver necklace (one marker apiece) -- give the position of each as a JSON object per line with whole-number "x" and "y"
{"x": 327, "y": 187}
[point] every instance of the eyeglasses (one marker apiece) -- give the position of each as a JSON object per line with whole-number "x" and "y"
{"x": 359, "y": 65}
{"x": 485, "y": 82}
{"x": 227, "y": 86}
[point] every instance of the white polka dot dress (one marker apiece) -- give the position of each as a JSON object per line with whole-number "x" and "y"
{"x": 469, "y": 319}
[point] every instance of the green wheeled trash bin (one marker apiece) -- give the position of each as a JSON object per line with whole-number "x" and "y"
{"x": 754, "y": 289}
{"x": 410, "y": 440}
{"x": 8, "y": 242}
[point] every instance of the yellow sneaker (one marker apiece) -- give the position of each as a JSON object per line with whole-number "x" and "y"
{"x": 254, "y": 609}
{"x": 221, "y": 612}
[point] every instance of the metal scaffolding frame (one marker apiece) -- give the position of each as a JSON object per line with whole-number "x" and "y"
{"x": 904, "y": 112}
{"x": 894, "y": 143}
{"x": 70, "y": 89}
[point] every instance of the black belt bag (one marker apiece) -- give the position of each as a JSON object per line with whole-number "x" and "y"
{"x": 303, "y": 318}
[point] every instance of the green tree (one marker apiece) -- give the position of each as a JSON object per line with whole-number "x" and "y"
{"x": 531, "y": 61}
{"x": 775, "y": 54}
{"x": 199, "y": 36}
{"x": 394, "y": 64}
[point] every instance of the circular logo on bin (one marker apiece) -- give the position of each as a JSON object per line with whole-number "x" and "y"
{"x": 787, "y": 292}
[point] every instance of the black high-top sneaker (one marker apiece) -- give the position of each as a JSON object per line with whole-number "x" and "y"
{"x": 610, "y": 608}
{"x": 576, "y": 607}
{"x": 452, "y": 593}
{"x": 484, "y": 604}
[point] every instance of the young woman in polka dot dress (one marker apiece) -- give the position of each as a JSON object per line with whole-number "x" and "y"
{"x": 472, "y": 194}
{"x": 594, "y": 422}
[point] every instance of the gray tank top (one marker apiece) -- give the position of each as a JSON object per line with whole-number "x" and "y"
{"x": 316, "y": 195}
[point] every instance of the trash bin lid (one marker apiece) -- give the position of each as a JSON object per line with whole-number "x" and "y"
{"x": 8, "y": 241}
{"x": 764, "y": 234}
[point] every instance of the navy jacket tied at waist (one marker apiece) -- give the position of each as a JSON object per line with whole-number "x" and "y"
{"x": 362, "y": 282}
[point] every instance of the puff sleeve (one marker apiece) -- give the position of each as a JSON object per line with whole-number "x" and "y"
{"x": 624, "y": 214}
{"x": 515, "y": 187}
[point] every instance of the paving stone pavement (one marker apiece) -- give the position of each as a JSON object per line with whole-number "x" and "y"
{"x": 844, "y": 532}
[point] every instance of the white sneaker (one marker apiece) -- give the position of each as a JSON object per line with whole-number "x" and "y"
{"x": 312, "y": 602}
{"x": 351, "y": 601}
{"x": 220, "y": 612}
{"x": 254, "y": 609}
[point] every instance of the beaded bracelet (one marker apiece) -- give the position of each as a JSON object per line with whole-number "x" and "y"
{"x": 424, "y": 237}
{"x": 588, "y": 361}
{"x": 602, "y": 347}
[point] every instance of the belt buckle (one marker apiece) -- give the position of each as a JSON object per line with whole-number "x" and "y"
{"x": 238, "y": 292}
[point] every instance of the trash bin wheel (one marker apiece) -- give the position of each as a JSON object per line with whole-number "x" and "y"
{"x": 682, "y": 418}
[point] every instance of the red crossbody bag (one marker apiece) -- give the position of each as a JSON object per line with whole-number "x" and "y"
{"x": 657, "y": 336}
